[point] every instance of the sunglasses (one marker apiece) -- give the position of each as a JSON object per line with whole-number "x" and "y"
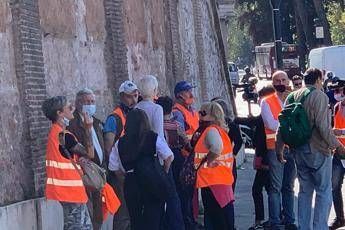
{"x": 297, "y": 84}
{"x": 202, "y": 113}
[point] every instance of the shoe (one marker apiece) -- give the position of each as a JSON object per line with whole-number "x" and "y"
{"x": 256, "y": 226}
{"x": 291, "y": 227}
{"x": 337, "y": 223}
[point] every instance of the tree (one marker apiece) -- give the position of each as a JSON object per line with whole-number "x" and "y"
{"x": 336, "y": 18}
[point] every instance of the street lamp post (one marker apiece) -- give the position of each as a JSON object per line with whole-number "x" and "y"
{"x": 275, "y": 4}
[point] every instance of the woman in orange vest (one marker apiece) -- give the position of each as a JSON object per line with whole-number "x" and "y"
{"x": 214, "y": 161}
{"x": 64, "y": 183}
{"x": 338, "y": 164}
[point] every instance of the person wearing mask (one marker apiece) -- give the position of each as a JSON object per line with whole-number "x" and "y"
{"x": 282, "y": 176}
{"x": 297, "y": 82}
{"x": 86, "y": 103}
{"x": 64, "y": 183}
{"x": 113, "y": 130}
{"x": 177, "y": 140}
{"x": 213, "y": 161}
{"x": 188, "y": 119}
{"x": 234, "y": 134}
{"x": 338, "y": 164}
{"x": 314, "y": 159}
{"x": 148, "y": 87}
{"x": 145, "y": 210}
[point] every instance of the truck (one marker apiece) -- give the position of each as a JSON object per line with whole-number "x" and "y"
{"x": 266, "y": 65}
{"x": 331, "y": 58}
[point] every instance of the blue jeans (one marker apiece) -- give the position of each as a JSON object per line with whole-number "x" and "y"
{"x": 314, "y": 174}
{"x": 338, "y": 172}
{"x": 281, "y": 192}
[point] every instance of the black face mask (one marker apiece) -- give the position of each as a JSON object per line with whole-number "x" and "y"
{"x": 280, "y": 88}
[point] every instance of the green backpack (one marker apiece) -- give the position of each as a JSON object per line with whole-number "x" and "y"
{"x": 294, "y": 126}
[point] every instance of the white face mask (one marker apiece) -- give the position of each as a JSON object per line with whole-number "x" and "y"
{"x": 89, "y": 109}
{"x": 339, "y": 97}
{"x": 65, "y": 121}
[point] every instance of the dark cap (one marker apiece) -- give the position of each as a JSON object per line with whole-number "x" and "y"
{"x": 182, "y": 86}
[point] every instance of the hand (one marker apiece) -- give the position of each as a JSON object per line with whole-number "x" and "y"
{"x": 88, "y": 121}
{"x": 281, "y": 158}
{"x": 338, "y": 132}
{"x": 340, "y": 150}
{"x": 212, "y": 164}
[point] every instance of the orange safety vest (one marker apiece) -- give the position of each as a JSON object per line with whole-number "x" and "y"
{"x": 221, "y": 174}
{"x": 339, "y": 123}
{"x": 118, "y": 111}
{"x": 110, "y": 201}
{"x": 63, "y": 180}
{"x": 191, "y": 118}
{"x": 274, "y": 103}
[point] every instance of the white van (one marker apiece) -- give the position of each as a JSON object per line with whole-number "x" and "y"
{"x": 330, "y": 58}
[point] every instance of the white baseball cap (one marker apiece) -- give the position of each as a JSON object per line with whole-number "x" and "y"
{"x": 128, "y": 87}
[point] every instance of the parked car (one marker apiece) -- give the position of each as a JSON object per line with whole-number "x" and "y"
{"x": 234, "y": 76}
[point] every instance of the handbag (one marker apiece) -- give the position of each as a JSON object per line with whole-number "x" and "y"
{"x": 151, "y": 174}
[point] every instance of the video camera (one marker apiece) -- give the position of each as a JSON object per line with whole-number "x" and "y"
{"x": 249, "y": 90}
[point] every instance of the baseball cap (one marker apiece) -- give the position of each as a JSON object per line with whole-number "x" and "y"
{"x": 128, "y": 87}
{"x": 337, "y": 84}
{"x": 182, "y": 86}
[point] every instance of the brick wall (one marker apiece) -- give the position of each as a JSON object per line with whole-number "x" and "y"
{"x": 59, "y": 47}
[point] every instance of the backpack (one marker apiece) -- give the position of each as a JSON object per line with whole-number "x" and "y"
{"x": 294, "y": 125}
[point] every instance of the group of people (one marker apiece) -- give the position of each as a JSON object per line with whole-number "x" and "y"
{"x": 160, "y": 155}
{"x": 317, "y": 164}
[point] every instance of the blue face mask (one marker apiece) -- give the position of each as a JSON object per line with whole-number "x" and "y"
{"x": 89, "y": 109}
{"x": 65, "y": 121}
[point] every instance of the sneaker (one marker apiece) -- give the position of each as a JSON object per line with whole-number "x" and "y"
{"x": 291, "y": 227}
{"x": 337, "y": 223}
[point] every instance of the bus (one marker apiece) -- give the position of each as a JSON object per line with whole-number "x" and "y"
{"x": 266, "y": 64}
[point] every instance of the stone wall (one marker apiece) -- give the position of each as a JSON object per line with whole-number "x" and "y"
{"x": 59, "y": 47}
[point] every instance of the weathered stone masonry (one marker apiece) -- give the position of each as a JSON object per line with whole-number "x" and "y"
{"x": 59, "y": 47}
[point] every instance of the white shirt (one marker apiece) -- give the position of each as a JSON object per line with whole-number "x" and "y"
{"x": 96, "y": 145}
{"x": 163, "y": 152}
{"x": 155, "y": 114}
{"x": 267, "y": 116}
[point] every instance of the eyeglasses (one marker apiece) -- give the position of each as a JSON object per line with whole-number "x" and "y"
{"x": 202, "y": 113}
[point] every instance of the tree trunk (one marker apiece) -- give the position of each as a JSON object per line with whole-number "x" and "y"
{"x": 302, "y": 48}
{"x": 302, "y": 12}
{"x": 321, "y": 13}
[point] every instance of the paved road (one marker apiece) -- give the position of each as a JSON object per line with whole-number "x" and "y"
{"x": 244, "y": 207}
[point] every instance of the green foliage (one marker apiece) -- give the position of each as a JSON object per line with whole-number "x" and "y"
{"x": 336, "y": 18}
{"x": 240, "y": 45}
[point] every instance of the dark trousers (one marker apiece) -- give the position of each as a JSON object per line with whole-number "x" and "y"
{"x": 173, "y": 215}
{"x": 262, "y": 179}
{"x": 94, "y": 206}
{"x": 234, "y": 173}
{"x": 217, "y": 217}
{"x": 338, "y": 172}
{"x": 145, "y": 212}
{"x": 121, "y": 218}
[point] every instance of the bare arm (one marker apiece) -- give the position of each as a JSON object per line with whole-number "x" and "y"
{"x": 109, "y": 141}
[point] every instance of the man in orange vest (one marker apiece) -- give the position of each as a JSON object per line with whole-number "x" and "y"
{"x": 64, "y": 183}
{"x": 113, "y": 130}
{"x": 282, "y": 175}
{"x": 338, "y": 164}
{"x": 188, "y": 119}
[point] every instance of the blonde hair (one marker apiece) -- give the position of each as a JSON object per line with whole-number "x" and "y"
{"x": 148, "y": 86}
{"x": 214, "y": 110}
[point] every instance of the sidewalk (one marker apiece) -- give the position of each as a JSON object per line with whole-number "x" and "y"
{"x": 244, "y": 206}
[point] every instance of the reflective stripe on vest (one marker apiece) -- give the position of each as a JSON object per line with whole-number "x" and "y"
{"x": 339, "y": 122}
{"x": 275, "y": 106}
{"x": 118, "y": 111}
{"x": 191, "y": 118}
{"x": 63, "y": 180}
{"x": 221, "y": 174}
